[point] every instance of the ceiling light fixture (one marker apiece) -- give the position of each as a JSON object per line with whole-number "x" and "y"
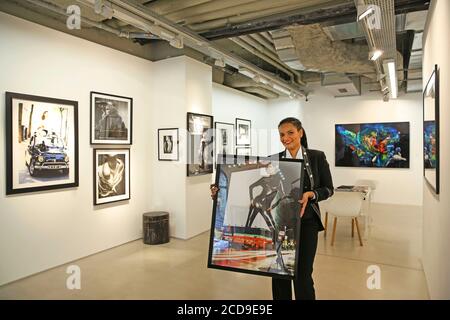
{"x": 390, "y": 69}
{"x": 366, "y": 13}
{"x": 375, "y": 54}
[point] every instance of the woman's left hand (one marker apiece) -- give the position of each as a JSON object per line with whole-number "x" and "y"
{"x": 304, "y": 201}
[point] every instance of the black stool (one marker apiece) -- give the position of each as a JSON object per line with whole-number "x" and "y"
{"x": 156, "y": 227}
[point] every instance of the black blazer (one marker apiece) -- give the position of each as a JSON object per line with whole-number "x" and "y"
{"x": 318, "y": 170}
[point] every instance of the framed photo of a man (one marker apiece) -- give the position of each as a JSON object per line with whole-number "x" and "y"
{"x": 111, "y": 175}
{"x": 41, "y": 143}
{"x": 168, "y": 144}
{"x": 224, "y": 138}
{"x": 243, "y": 132}
{"x": 255, "y": 224}
{"x": 111, "y": 119}
{"x": 200, "y": 144}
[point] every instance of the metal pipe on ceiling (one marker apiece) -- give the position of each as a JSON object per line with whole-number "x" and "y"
{"x": 267, "y": 36}
{"x": 260, "y": 39}
{"x": 296, "y": 76}
{"x": 165, "y": 7}
{"x": 304, "y": 6}
{"x": 145, "y": 19}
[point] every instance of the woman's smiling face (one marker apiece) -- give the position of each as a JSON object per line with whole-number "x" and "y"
{"x": 290, "y": 136}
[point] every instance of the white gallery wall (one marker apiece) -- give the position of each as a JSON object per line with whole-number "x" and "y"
{"x": 436, "y": 208}
{"x": 42, "y": 230}
{"x": 394, "y": 186}
{"x": 179, "y": 85}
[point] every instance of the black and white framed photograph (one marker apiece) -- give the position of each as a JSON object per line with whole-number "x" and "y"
{"x": 243, "y": 151}
{"x": 243, "y": 132}
{"x": 200, "y": 144}
{"x": 168, "y": 147}
{"x": 111, "y": 119}
{"x": 111, "y": 175}
{"x": 224, "y": 138}
{"x": 255, "y": 225}
{"x": 41, "y": 143}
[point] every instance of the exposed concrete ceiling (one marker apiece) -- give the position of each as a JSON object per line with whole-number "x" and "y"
{"x": 324, "y": 35}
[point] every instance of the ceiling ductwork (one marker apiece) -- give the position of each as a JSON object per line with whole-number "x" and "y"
{"x": 299, "y": 46}
{"x": 341, "y": 85}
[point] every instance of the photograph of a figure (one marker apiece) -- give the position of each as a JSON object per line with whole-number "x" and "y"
{"x": 377, "y": 145}
{"x": 111, "y": 175}
{"x": 224, "y": 138}
{"x": 200, "y": 141}
{"x": 168, "y": 144}
{"x": 243, "y": 132}
{"x": 111, "y": 118}
{"x": 42, "y": 141}
{"x": 256, "y": 216}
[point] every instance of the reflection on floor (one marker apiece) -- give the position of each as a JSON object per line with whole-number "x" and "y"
{"x": 177, "y": 270}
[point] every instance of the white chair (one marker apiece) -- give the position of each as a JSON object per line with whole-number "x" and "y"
{"x": 344, "y": 204}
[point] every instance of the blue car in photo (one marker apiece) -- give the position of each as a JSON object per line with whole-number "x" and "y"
{"x": 46, "y": 154}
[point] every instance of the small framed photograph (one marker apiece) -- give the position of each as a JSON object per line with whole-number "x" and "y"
{"x": 41, "y": 143}
{"x": 224, "y": 138}
{"x": 200, "y": 144}
{"x": 243, "y": 151}
{"x": 111, "y": 175}
{"x": 111, "y": 119}
{"x": 168, "y": 147}
{"x": 255, "y": 225}
{"x": 243, "y": 132}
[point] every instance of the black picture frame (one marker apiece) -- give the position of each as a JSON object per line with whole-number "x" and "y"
{"x": 200, "y": 136}
{"x": 219, "y": 140}
{"x": 378, "y": 145}
{"x": 22, "y": 150}
{"x": 247, "y": 151}
{"x": 230, "y": 164}
{"x": 117, "y": 103}
{"x": 175, "y": 144}
{"x": 127, "y": 175}
{"x": 247, "y": 140}
{"x": 431, "y": 167}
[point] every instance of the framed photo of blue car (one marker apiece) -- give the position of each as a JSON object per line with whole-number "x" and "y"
{"x": 255, "y": 224}
{"x": 111, "y": 175}
{"x": 41, "y": 143}
{"x": 111, "y": 119}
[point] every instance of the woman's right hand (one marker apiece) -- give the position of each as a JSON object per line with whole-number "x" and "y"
{"x": 214, "y": 189}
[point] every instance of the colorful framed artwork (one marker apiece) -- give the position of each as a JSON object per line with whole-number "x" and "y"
{"x": 431, "y": 131}
{"x": 111, "y": 119}
{"x": 373, "y": 145}
{"x": 255, "y": 223}
{"x": 41, "y": 143}
{"x": 200, "y": 144}
{"x": 111, "y": 175}
{"x": 168, "y": 147}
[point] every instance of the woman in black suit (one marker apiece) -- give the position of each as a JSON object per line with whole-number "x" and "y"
{"x": 317, "y": 186}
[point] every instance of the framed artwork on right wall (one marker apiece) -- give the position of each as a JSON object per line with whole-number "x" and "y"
{"x": 431, "y": 131}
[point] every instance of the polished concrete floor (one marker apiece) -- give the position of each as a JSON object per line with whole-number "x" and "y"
{"x": 177, "y": 270}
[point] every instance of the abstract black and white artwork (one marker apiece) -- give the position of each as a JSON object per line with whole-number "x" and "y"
{"x": 111, "y": 175}
{"x": 224, "y": 138}
{"x": 200, "y": 144}
{"x": 256, "y": 225}
{"x": 41, "y": 143}
{"x": 111, "y": 119}
{"x": 168, "y": 144}
{"x": 243, "y": 132}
